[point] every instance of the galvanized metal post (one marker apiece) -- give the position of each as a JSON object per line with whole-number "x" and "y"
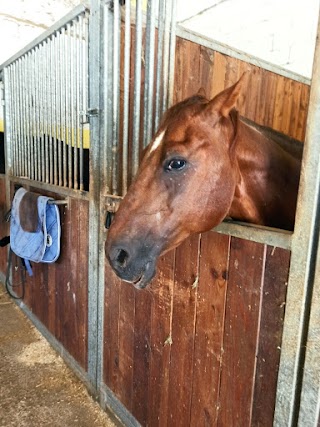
{"x": 309, "y": 414}
{"x": 310, "y": 397}
{"x": 302, "y": 271}
{"x": 96, "y": 256}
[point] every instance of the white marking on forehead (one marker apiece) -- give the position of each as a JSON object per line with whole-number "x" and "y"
{"x": 157, "y": 141}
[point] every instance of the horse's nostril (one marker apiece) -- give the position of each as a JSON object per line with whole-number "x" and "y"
{"x": 122, "y": 257}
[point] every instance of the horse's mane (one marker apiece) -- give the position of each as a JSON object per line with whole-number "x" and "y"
{"x": 288, "y": 144}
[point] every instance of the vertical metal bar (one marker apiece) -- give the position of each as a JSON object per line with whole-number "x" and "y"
{"x": 159, "y": 80}
{"x": 76, "y": 101}
{"x": 54, "y": 64}
{"x": 21, "y": 115}
{"x": 84, "y": 65}
{"x": 65, "y": 108}
{"x": 36, "y": 109}
{"x": 22, "y": 84}
{"x": 9, "y": 126}
{"x": 149, "y": 73}
{"x": 310, "y": 397}
{"x": 107, "y": 93}
{"x": 46, "y": 100}
{"x": 60, "y": 109}
{"x": 27, "y": 75}
{"x": 305, "y": 241}
{"x": 50, "y": 106}
{"x": 126, "y": 96}
{"x": 96, "y": 275}
{"x": 70, "y": 67}
{"x": 116, "y": 96}
{"x": 68, "y": 101}
{"x": 11, "y": 112}
{"x": 41, "y": 113}
{"x": 19, "y": 142}
{"x": 75, "y": 36}
{"x": 172, "y": 50}
{"x": 8, "y": 135}
{"x": 82, "y": 108}
{"x": 31, "y": 109}
{"x": 20, "y": 123}
{"x": 55, "y": 108}
{"x": 166, "y": 45}
{"x": 137, "y": 88}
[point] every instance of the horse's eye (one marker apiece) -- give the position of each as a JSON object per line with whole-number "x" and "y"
{"x": 175, "y": 165}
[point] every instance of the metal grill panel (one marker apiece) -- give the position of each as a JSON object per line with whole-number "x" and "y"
{"x": 46, "y": 100}
{"x": 138, "y": 63}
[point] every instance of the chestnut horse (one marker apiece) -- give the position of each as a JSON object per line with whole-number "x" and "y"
{"x": 204, "y": 164}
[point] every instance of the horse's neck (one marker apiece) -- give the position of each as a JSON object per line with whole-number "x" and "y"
{"x": 268, "y": 179}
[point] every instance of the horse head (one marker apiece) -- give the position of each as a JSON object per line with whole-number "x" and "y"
{"x": 185, "y": 184}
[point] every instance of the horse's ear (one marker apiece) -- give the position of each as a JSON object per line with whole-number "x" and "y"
{"x": 201, "y": 92}
{"x": 226, "y": 100}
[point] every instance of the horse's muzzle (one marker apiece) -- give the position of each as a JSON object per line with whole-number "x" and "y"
{"x": 132, "y": 262}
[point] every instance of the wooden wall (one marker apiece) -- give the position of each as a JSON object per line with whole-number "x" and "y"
{"x": 58, "y": 293}
{"x": 269, "y": 99}
{"x": 201, "y": 346}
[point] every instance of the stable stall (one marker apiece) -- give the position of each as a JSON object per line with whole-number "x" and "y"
{"x": 226, "y": 334}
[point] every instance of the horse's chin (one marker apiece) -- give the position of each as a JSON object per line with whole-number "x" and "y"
{"x": 145, "y": 277}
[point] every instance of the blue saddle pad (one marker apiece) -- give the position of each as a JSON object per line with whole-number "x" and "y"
{"x": 42, "y": 243}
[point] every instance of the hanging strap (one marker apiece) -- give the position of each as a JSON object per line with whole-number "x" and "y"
{"x": 9, "y": 286}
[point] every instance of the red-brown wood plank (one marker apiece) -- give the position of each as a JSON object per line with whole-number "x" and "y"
{"x": 205, "y": 69}
{"x": 183, "y": 330}
{"x": 303, "y": 112}
{"x": 218, "y": 73}
{"x": 111, "y": 329}
{"x": 161, "y": 316}
{"x": 57, "y": 293}
{"x": 142, "y": 350}
{"x": 271, "y": 326}
{"x": 62, "y": 275}
{"x": 246, "y": 267}
{"x": 126, "y": 343}
{"x": 295, "y": 112}
{"x": 211, "y": 299}
{"x": 81, "y": 285}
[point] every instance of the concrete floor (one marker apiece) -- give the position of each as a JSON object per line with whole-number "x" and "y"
{"x": 36, "y": 386}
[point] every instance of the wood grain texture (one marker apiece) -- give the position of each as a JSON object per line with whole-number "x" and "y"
{"x": 241, "y": 331}
{"x": 183, "y": 331}
{"x": 161, "y": 332}
{"x": 268, "y": 99}
{"x": 270, "y": 334}
{"x": 208, "y": 340}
